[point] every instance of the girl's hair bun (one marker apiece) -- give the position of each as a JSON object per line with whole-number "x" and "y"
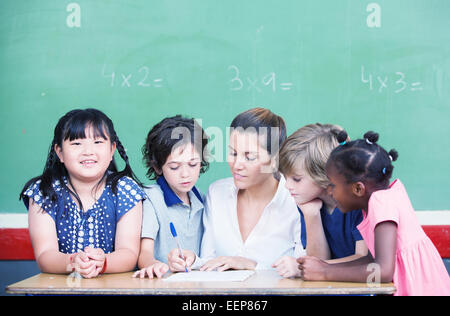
{"x": 371, "y": 137}
{"x": 342, "y": 136}
{"x": 393, "y": 154}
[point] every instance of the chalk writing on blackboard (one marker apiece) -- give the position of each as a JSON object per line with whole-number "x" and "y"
{"x": 396, "y": 82}
{"x": 140, "y": 78}
{"x": 254, "y": 83}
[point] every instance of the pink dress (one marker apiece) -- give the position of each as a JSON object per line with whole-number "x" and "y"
{"x": 419, "y": 269}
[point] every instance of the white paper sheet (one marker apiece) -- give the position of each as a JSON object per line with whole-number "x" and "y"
{"x": 210, "y": 276}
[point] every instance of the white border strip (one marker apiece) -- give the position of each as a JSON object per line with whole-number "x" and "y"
{"x": 20, "y": 220}
{"x": 14, "y": 220}
{"x": 434, "y": 217}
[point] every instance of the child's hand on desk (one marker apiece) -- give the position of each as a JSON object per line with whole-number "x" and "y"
{"x": 85, "y": 267}
{"x": 157, "y": 269}
{"x": 98, "y": 256}
{"x": 312, "y": 268}
{"x": 177, "y": 264}
{"x": 226, "y": 263}
{"x": 287, "y": 267}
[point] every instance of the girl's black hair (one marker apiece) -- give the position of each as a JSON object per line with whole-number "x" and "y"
{"x": 363, "y": 159}
{"x": 168, "y": 134}
{"x": 72, "y": 126}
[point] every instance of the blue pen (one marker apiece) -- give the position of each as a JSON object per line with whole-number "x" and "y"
{"x": 174, "y": 234}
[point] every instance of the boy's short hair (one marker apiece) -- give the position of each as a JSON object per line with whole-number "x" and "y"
{"x": 309, "y": 148}
{"x": 169, "y": 134}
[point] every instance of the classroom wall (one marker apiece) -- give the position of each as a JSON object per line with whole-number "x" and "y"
{"x": 366, "y": 65}
{"x": 12, "y": 271}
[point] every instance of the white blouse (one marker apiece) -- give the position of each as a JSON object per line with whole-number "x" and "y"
{"x": 276, "y": 234}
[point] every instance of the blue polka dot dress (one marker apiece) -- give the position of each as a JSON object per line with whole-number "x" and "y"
{"x": 95, "y": 227}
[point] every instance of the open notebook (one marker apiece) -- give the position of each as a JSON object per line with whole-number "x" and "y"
{"x": 211, "y": 276}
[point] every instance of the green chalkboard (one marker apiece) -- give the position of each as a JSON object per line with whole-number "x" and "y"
{"x": 366, "y": 65}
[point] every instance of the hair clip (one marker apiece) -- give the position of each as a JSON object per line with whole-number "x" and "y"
{"x": 384, "y": 170}
{"x": 390, "y": 157}
{"x": 368, "y": 141}
{"x": 343, "y": 143}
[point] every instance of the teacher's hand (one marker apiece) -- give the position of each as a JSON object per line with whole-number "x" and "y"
{"x": 227, "y": 263}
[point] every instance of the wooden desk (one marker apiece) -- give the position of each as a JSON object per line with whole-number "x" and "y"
{"x": 261, "y": 283}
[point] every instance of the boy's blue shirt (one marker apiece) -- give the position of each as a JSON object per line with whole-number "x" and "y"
{"x": 163, "y": 206}
{"x": 170, "y": 197}
{"x": 340, "y": 231}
